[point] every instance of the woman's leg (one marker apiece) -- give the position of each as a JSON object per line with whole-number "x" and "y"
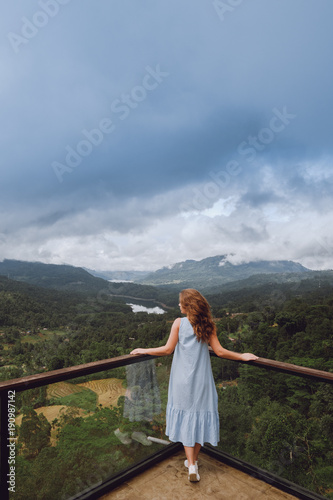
{"x": 197, "y": 448}
{"x": 189, "y": 452}
{"x": 192, "y": 453}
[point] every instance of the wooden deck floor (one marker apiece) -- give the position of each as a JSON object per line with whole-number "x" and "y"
{"x": 168, "y": 481}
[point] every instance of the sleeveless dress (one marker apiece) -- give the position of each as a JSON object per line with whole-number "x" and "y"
{"x": 191, "y": 414}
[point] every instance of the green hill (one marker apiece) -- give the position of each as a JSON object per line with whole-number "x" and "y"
{"x": 70, "y": 279}
{"x": 51, "y": 275}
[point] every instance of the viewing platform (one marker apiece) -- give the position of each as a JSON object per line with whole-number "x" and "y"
{"x": 168, "y": 481}
{"x": 101, "y": 467}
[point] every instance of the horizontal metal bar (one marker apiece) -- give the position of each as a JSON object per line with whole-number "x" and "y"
{"x": 51, "y": 377}
{"x": 40, "y": 379}
{"x": 300, "y": 371}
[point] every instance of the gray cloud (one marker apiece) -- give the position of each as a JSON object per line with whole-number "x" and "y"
{"x": 221, "y": 87}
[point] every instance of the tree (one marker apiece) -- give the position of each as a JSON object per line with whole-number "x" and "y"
{"x": 235, "y": 421}
{"x": 55, "y": 363}
{"x": 34, "y": 433}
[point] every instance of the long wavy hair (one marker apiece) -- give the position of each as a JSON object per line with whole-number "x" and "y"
{"x": 198, "y": 312}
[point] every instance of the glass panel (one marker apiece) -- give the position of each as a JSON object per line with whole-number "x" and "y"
{"x": 76, "y": 434}
{"x": 278, "y": 422}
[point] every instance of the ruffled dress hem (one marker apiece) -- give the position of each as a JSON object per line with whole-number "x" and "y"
{"x": 190, "y": 427}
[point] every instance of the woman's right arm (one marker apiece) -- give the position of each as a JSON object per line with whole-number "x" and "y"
{"x": 166, "y": 349}
{"x": 221, "y": 352}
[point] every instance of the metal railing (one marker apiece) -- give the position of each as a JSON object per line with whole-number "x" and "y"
{"x": 8, "y": 391}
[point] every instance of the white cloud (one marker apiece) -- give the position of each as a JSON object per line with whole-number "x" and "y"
{"x": 149, "y": 233}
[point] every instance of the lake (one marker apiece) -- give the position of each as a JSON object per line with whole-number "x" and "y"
{"x": 143, "y": 308}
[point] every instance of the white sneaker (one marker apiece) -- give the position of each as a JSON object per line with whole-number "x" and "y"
{"x": 186, "y": 463}
{"x": 193, "y": 474}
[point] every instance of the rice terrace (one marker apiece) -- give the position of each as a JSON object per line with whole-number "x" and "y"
{"x": 80, "y": 397}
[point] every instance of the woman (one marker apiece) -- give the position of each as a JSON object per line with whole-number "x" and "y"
{"x": 192, "y": 414}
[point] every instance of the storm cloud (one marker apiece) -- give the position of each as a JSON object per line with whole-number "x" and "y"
{"x": 138, "y": 134}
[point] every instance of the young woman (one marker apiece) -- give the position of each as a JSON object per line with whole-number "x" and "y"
{"x": 192, "y": 415}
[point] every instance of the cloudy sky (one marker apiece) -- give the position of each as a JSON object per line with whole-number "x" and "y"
{"x": 136, "y": 134}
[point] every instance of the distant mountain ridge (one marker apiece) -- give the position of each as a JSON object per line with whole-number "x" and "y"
{"x": 118, "y": 275}
{"x": 71, "y": 279}
{"x": 216, "y": 271}
{"x": 214, "y": 275}
{"x": 50, "y": 275}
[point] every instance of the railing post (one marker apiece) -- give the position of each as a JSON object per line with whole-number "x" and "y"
{"x": 4, "y": 454}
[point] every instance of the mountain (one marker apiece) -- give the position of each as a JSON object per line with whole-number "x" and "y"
{"x": 216, "y": 271}
{"x": 61, "y": 277}
{"x": 70, "y": 278}
{"x": 211, "y": 275}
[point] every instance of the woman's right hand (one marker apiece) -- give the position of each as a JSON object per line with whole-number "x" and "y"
{"x": 248, "y": 356}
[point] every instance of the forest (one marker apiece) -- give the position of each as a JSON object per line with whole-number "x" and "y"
{"x": 67, "y": 433}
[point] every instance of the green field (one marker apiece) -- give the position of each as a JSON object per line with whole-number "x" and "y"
{"x": 42, "y": 335}
{"x": 86, "y": 399}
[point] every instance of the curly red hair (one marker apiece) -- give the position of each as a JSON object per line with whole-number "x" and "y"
{"x": 198, "y": 312}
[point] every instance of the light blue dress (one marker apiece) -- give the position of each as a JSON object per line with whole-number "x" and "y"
{"x": 192, "y": 413}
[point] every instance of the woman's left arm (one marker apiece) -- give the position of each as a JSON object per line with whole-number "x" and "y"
{"x": 225, "y": 353}
{"x": 166, "y": 349}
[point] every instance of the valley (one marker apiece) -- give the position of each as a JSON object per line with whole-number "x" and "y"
{"x": 283, "y": 316}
